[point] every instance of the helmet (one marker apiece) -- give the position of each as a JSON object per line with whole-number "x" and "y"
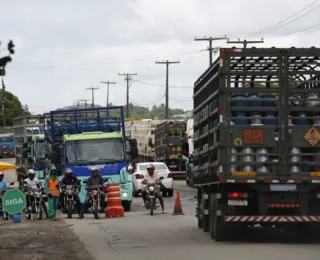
{"x": 150, "y": 166}
{"x": 68, "y": 171}
{"x": 94, "y": 171}
{"x": 31, "y": 172}
{"x": 1, "y": 174}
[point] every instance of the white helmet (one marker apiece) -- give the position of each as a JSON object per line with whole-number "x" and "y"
{"x": 31, "y": 172}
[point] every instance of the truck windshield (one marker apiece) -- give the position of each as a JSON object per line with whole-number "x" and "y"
{"x": 6, "y": 139}
{"x": 40, "y": 149}
{"x": 100, "y": 150}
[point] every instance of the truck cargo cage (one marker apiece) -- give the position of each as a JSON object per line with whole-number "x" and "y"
{"x": 77, "y": 121}
{"x": 257, "y": 117}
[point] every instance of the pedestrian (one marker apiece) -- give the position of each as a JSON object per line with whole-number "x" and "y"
{"x": 51, "y": 185}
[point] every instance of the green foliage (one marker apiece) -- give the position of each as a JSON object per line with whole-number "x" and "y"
{"x": 156, "y": 112}
{"x": 13, "y": 108}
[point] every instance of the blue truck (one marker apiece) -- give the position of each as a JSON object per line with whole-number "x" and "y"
{"x": 84, "y": 138}
{"x": 7, "y": 145}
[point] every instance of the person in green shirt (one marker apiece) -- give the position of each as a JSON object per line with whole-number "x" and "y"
{"x": 51, "y": 185}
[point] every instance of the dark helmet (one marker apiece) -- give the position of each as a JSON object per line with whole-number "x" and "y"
{"x": 68, "y": 172}
{"x": 150, "y": 167}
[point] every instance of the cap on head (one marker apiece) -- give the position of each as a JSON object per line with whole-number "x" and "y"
{"x": 1, "y": 173}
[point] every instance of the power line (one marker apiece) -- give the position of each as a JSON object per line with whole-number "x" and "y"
{"x": 186, "y": 100}
{"x": 167, "y": 62}
{"x": 163, "y": 86}
{"x": 210, "y": 49}
{"x": 137, "y": 103}
{"x": 127, "y": 78}
{"x": 93, "y": 89}
{"x": 108, "y": 83}
{"x": 245, "y": 42}
{"x": 279, "y": 24}
{"x": 304, "y": 29}
{"x": 99, "y": 63}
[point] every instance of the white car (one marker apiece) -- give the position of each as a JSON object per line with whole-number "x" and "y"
{"x": 140, "y": 170}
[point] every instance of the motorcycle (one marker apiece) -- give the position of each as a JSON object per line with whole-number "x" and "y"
{"x": 3, "y": 213}
{"x": 95, "y": 198}
{"x": 151, "y": 202}
{"x": 35, "y": 200}
{"x": 69, "y": 202}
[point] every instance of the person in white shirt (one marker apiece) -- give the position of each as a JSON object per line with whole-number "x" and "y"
{"x": 33, "y": 183}
{"x": 152, "y": 177}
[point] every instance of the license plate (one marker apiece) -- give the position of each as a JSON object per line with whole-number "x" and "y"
{"x": 283, "y": 187}
{"x": 237, "y": 202}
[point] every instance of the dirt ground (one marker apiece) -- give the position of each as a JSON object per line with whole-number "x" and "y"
{"x": 40, "y": 240}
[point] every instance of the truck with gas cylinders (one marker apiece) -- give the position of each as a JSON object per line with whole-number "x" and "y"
{"x": 29, "y": 145}
{"x": 256, "y": 141}
{"x": 171, "y": 146}
{"x": 189, "y": 164}
{"x": 84, "y": 138}
{"x": 7, "y": 145}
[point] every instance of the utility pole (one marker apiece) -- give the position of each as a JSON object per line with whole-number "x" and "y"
{"x": 93, "y": 89}
{"x": 210, "y": 48}
{"x": 78, "y": 102}
{"x": 245, "y": 42}
{"x": 127, "y": 78}
{"x": 85, "y": 102}
{"x": 108, "y": 83}
{"x": 167, "y": 83}
{"x": 2, "y": 102}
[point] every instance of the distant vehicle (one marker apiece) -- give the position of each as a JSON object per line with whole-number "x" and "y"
{"x": 140, "y": 170}
{"x": 7, "y": 145}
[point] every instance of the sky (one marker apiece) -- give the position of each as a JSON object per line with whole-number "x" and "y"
{"x": 64, "y": 47}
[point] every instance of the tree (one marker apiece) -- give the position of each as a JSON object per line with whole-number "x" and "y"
{"x": 13, "y": 108}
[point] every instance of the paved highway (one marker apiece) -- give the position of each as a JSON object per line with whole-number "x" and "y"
{"x": 141, "y": 236}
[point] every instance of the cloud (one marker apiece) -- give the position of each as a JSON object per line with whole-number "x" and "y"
{"x": 62, "y": 48}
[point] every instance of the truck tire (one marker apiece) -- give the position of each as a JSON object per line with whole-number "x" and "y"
{"x": 219, "y": 229}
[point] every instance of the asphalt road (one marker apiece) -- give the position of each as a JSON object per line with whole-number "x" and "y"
{"x": 141, "y": 236}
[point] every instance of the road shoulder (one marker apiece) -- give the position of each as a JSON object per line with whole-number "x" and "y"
{"x": 40, "y": 240}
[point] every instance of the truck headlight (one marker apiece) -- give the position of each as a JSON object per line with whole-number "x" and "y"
{"x": 124, "y": 194}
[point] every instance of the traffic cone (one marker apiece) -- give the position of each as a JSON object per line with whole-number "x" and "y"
{"x": 114, "y": 205}
{"x": 177, "y": 206}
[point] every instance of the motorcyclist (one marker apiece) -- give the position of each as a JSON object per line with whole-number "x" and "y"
{"x": 33, "y": 183}
{"x": 152, "y": 177}
{"x": 3, "y": 183}
{"x": 95, "y": 179}
{"x": 70, "y": 179}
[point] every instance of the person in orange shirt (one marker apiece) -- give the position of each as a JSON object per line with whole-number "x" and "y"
{"x": 51, "y": 185}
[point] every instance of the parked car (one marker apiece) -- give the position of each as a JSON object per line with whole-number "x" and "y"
{"x": 140, "y": 170}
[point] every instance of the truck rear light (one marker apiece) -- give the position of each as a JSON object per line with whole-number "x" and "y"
{"x": 237, "y": 195}
{"x": 170, "y": 175}
{"x": 287, "y": 205}
{"x": 139, "y": 176}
